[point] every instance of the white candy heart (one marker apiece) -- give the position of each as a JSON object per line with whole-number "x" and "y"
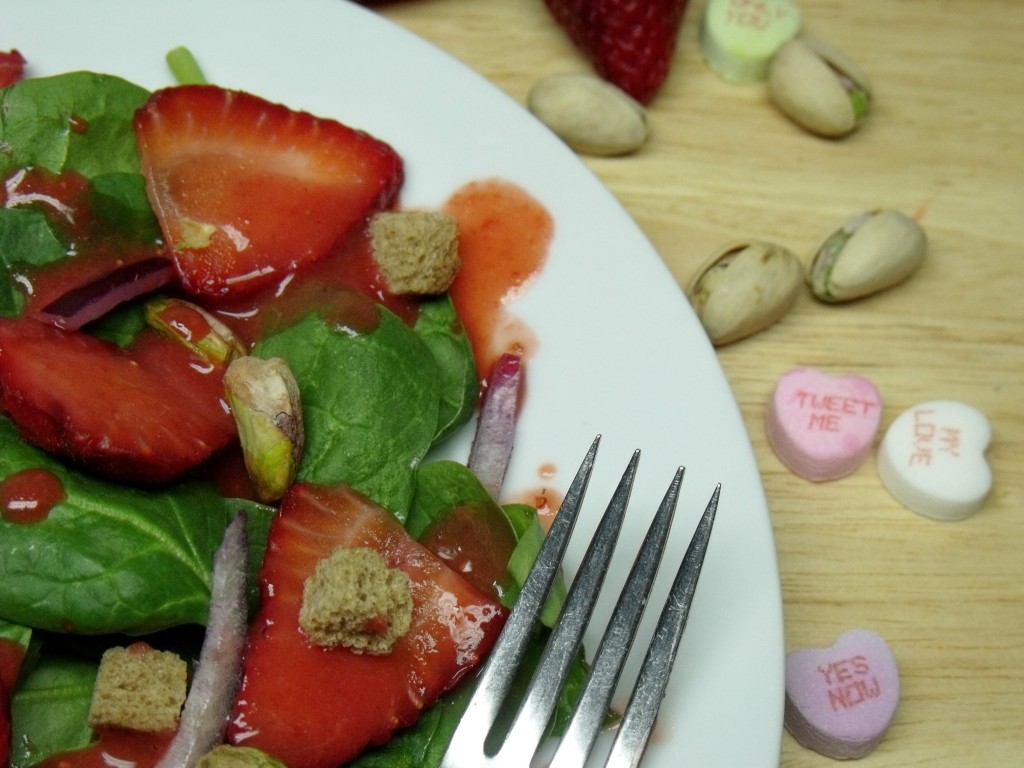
{"x": 932, "y": 459}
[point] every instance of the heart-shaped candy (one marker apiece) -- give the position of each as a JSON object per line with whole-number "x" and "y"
{"x": 820, "y": 426}
{"x": 841, "y": 700}
{"x": 739, "y": 38}
{"x": 932, "y": 459}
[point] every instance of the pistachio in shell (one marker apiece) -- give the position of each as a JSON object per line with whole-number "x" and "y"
{"x": 869, "y": 253}
{"x": 589, "y": 114}
{"x": 744, "y": 288}
{"x": 195, "y": 328}
{"x": 227, "y": 756}
{"x": 265, "y": 402}
{"x": 818, "y": 87}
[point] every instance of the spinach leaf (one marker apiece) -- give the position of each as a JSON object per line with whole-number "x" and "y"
{"x": 80, "y": 121}
{"x": 440, "y": 328}
{"x": 110, "y": 558}
{"x": 121, "y": 324}
{"x": 120, "y": 206}
{"x": 120, "y": 218}
{"x": 441, "y": 486}
{"x": 15, "y": 633}
{"x": 26, "y": 237}
{"x": 444, "y": 485}
{"x": 50, "y": 709}
{"x": 370, "y": 404}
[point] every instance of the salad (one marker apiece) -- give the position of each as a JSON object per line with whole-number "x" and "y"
{"x": 136, "y": 225}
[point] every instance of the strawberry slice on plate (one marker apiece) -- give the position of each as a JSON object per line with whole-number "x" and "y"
{"x": 246, "y": 191}
{"x": 630, "y": 44}
{"x": 142, "y": 414}
{"x": 318, "y": 707}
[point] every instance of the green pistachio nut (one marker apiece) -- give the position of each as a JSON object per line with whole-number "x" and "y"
{"x": 264, "y": 399}
{"x": 744, "y": 288}
{"x": 818, "y": 87}
{"x": 194, "y": 327}
{"x": 227, "y": 756}
{"x": 869, "y": 253}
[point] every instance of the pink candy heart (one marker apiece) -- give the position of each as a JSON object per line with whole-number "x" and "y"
{"x": 840, "y": 700}
{"x": 823, "y": 427}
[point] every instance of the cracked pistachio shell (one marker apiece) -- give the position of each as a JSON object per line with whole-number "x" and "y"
{"x": 195, "y": 328}
{"x": 589, "y": 114}
{"x": 264, "y": 399}
{"x": 744, "y": 288}
{"x": 870, "y": 252}
{"x": 818, "y": 87}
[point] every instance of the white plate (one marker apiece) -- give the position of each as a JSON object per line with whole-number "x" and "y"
{"x": 620, "y": 351}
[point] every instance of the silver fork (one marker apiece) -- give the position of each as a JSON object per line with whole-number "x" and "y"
{"x": 471, "y": 745}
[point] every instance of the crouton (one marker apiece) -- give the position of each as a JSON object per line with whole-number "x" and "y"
{"x": 138, "y": 688}
{"x": 353, "y": 599}
{"x": 417, "y": 251}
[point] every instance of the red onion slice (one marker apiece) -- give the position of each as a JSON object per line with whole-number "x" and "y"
{"x": 208, "y": 705}
{"x": 93, "y": 299}
{"x": 496, "y": 424}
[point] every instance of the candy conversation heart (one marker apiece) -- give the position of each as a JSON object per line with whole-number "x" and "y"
{"x": 739, "y": 38}
{"x": 840, "y": 700}
{"x": 821, "y": 426}
{"x": 932, "y": 459}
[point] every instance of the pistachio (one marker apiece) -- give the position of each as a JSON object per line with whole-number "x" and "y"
{"x": 194, "y": 327}
{"x": 264, "y": 399}
{"x": 744, "y": 288}
{"x": 590, "y": 114}
{"x": 870, "y": 252}
{"x": 818, "y": 87}
{"x": 226, "y": 756}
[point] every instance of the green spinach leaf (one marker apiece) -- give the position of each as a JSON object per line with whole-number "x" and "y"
{"x": 110, "y": 558}
{"x": 370, "y": 404}
{"x": 440, "y": 487}
{"x": 79, "y": 121}
{"x": 15, "y": 633}
{"x": 50, "y": 709}
{"x": 440, "y": 328}
{"x": 26, "y": 238}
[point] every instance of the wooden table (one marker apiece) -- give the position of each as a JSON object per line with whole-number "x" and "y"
{"x": 945, "y": 143}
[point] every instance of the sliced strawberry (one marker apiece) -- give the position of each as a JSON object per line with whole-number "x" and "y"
{"x": 114, "y": 747}
{"x": 143, "y": 414}
{"x": 12, "y": 67}
{"x": 11, "y": 656}
{"x": 246, "y": 190}
{"x": 630, "y": 43}
{"x": 314, "y": 707}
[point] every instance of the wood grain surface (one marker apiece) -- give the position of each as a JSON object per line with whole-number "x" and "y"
{"x": 944, "y": 143}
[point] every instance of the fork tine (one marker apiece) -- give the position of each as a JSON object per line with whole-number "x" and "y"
{"x": 466, "y": 749}
{"x": 595, "y": 698}
{"x": 470, "y": 743}
{"x": 638, "y": 720}
{"x": 546, "y": 683}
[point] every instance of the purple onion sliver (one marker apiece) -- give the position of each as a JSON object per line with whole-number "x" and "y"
{"x": 496, "y": 424}
{"x": 211, "y": 696}
{"x": 92, "y": 300}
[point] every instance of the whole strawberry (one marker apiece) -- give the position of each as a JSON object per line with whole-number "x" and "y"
{"x": 629, "y": 42}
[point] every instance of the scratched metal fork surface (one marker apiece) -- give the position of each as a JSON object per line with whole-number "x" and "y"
{"x": 473, "y": 744}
